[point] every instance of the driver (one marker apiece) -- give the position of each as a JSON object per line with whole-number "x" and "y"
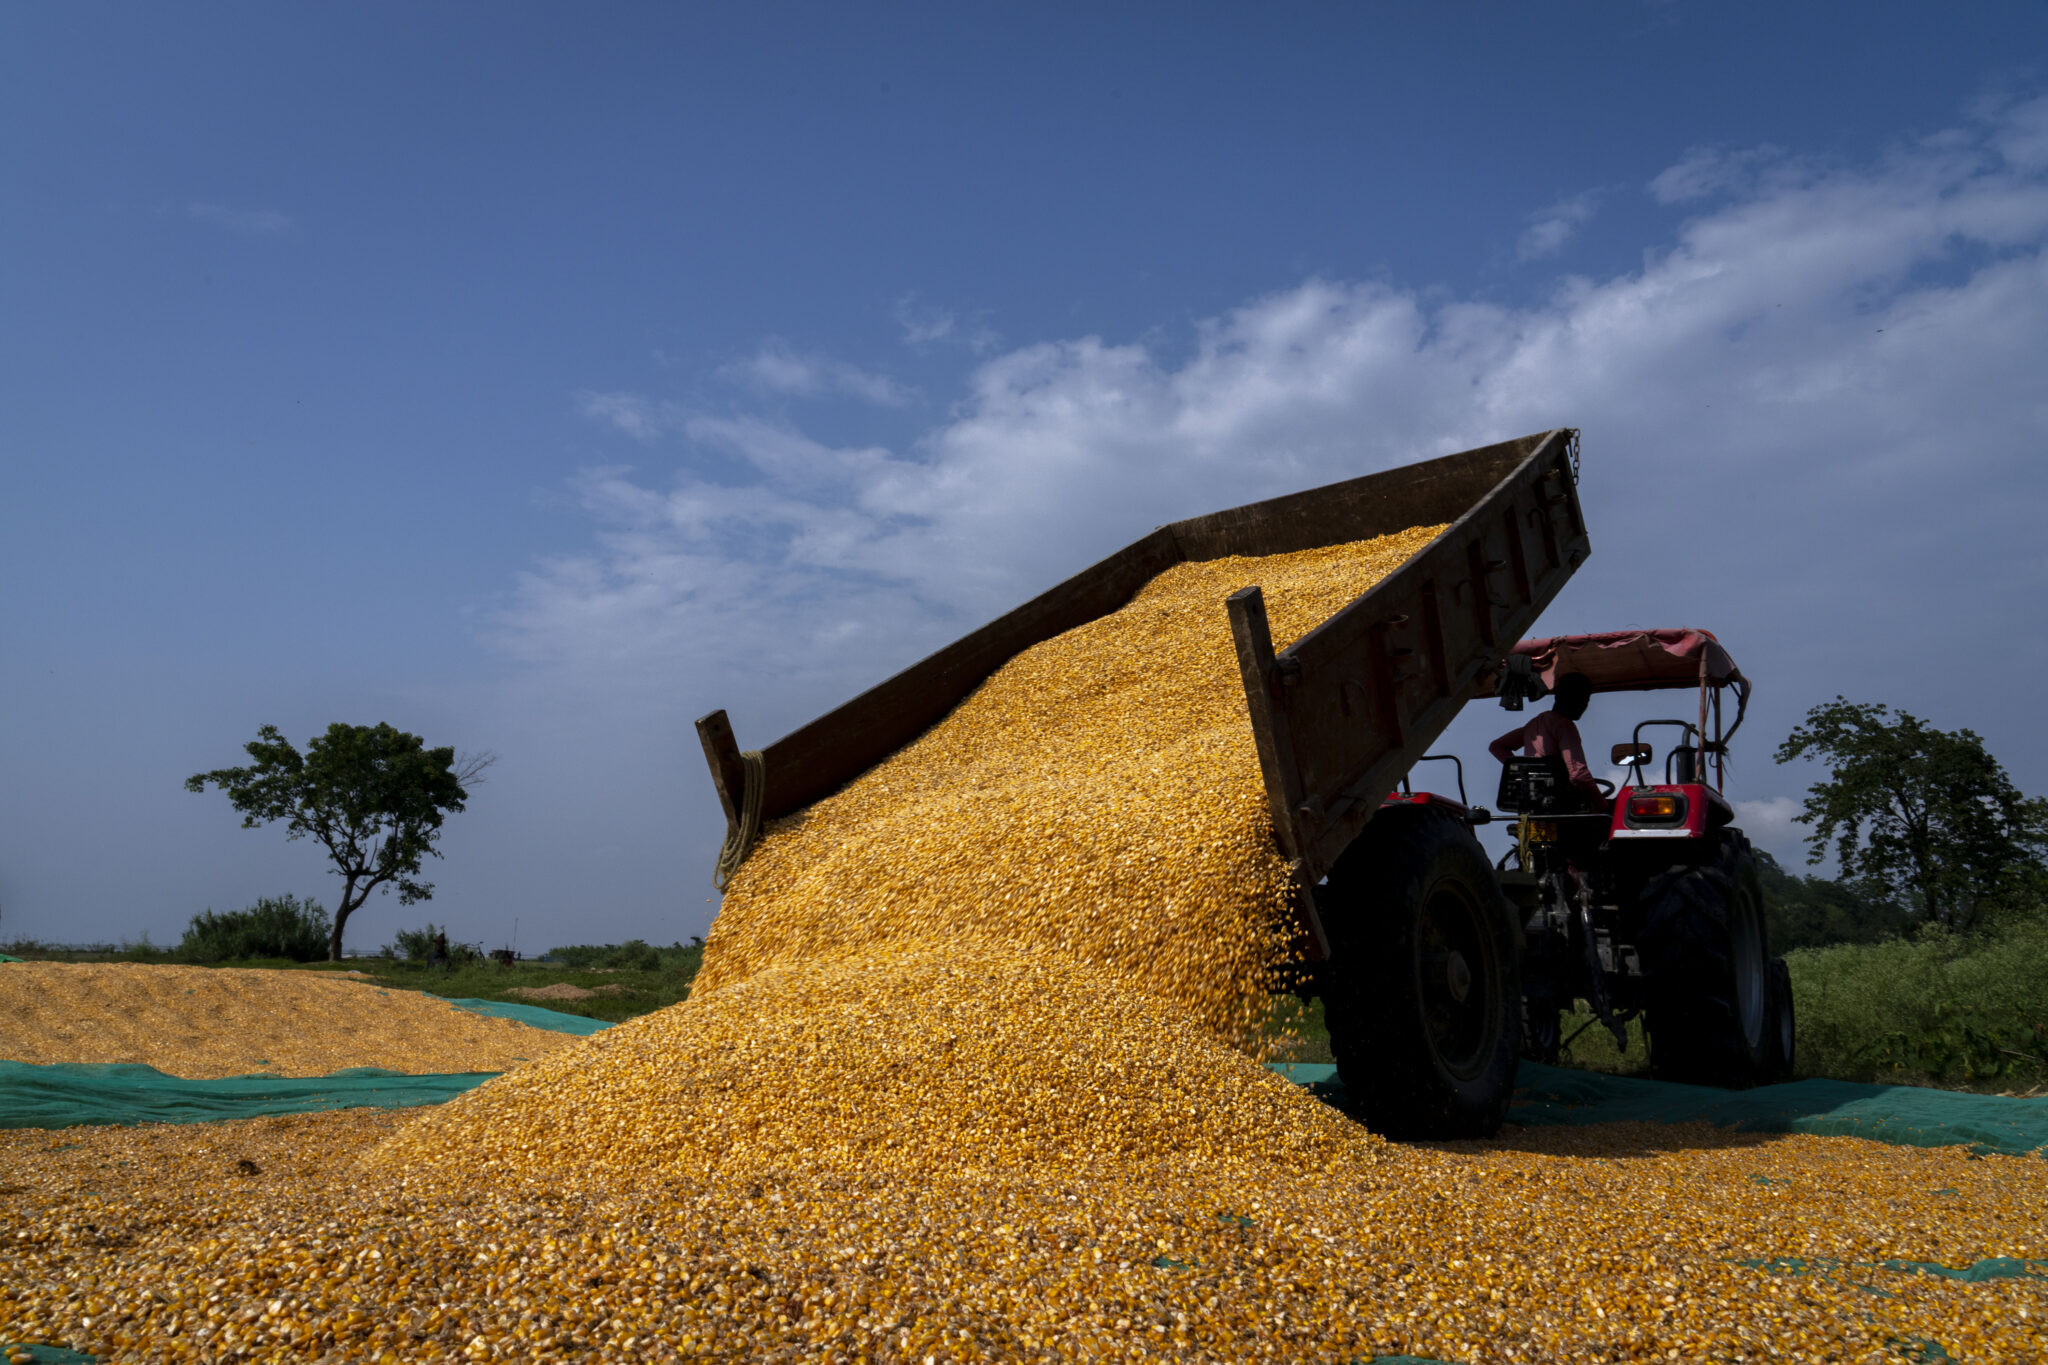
{"x": 1553, "y": 733}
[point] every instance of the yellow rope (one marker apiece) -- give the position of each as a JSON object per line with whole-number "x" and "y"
{"x": 740, "y": 838}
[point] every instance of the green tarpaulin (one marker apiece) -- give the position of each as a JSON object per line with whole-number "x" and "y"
{"x": 1906, "y": 1115}
{"x": 553, "y": 1020}
{"x": 64, "y": 1095}
{"x": 46, "y": 1355}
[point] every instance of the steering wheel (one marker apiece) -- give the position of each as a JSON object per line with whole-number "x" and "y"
{"x": 1606, "y": 788}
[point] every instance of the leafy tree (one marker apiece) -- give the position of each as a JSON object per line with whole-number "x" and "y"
{"x": 1922, "y": 815}
{"x": 375, "y": 797}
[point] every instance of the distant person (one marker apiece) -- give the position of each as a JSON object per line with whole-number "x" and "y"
{"x": 1555, "y": 734}
{"x": 440, "y": 954}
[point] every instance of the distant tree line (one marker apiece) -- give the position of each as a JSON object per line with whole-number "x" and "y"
{"x": 634, "y": 954}
{"x": 1815, "y": 912}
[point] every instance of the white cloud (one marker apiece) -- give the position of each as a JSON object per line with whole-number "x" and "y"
{"x": 776, "y": 368}
{"x": 1706, "y": 172}
{"x": 2022, "y": 134}
{"x": 925, "y": 326}
{"x": 1550, "y": 229}
{"x": 1771, "y": 824}
{"x": 253, "y": 222}
{"x": 634, "y": 414}
{"x": 1833, "y": 358}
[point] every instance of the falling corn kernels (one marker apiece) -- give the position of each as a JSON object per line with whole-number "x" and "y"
{"x": 1098, "y": 796}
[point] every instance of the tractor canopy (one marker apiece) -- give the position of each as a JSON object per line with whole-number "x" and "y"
{"x": 1640, "y": 661}
{"x": 1637, "y": 660}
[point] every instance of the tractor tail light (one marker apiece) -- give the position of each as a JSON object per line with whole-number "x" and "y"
{"x": 1656, "y": 808}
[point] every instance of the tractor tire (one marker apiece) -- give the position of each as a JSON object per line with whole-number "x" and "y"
{"x": 1779, "y": 1024}
{"x": 1706, "y": 964}
{"x": 1423, "y": 999}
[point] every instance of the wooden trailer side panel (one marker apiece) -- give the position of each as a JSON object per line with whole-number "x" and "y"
{"x": 1351, "y": 706}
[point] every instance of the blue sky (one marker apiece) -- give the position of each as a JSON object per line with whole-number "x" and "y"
{"x": 539, "y": 378}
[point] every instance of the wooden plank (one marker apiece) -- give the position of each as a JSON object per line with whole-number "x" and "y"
{"x": 722, "y": 754}
{"x": 1254, "y": 639}
{"x": 1294, "y": 820}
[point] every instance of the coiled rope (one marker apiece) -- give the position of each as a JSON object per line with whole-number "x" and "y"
{"x": 740, "y": 838}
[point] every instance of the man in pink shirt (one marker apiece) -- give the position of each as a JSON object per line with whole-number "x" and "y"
{"x": 1554, "y": 733}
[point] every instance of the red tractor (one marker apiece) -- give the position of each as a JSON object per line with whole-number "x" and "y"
{"x": 1642, "y": 902}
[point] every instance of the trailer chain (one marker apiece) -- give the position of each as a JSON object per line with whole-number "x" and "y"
{"x": 741, "y": 836}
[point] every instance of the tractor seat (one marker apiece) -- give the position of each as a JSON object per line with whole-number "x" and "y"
{"x": 1537, "y": 786}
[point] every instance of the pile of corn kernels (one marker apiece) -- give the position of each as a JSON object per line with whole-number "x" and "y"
{"x": 966, "y": 1079}
{"x": 232, "y": 1021}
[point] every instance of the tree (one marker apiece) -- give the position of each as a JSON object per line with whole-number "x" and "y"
{"x": 375, "y": 797}
{"x": 1922, "y": 815}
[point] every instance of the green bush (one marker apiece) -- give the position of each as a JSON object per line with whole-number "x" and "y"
{"x": 274, "y": 927}
{"x": 1940, "y": 1006}
{"x": 415, "y": 945}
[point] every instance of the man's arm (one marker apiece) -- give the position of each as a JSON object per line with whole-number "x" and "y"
{"x": 1504, "y": 748}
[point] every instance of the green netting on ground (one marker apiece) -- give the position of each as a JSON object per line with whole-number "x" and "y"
{"x": 552, "y": 1020}
{"x": 61, "y": 1096}
{"x": 5, "y": 958}
{"x": 1905, "y": 1115}
{"x": 45, "y": 1355}
{"x": 1991, "y": 1268}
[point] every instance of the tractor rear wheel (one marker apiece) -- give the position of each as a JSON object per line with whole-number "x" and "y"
{"x": 1707, "y": 971}
{"x": 1423, "y": 999}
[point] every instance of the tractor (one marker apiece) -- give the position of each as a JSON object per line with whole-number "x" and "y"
{"x": 1643, "y": 902}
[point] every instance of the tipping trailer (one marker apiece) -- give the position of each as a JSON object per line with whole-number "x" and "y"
{"x": 1412, "y": 914}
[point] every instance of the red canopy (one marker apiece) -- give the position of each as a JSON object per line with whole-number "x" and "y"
{"x": 1636, "y": 660}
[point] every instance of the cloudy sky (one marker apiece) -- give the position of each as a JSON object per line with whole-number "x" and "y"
{"x": 539, "y": 378}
